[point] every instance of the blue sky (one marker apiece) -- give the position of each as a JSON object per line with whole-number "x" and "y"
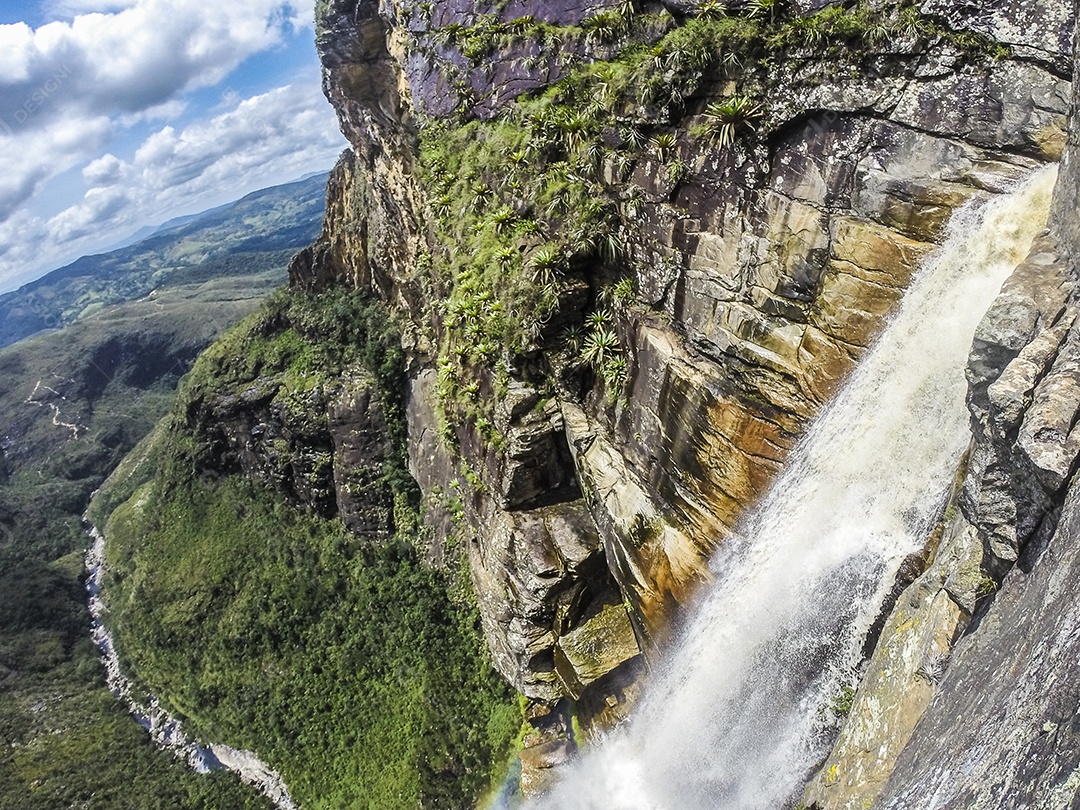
{"x": 115, "y": 114}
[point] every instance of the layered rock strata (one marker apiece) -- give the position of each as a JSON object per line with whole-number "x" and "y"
{"x": 762, "y": 271}
{"x": 995, "y": 732}
{"x": 964, "y": 695}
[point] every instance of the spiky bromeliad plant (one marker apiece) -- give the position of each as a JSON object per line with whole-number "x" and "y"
{"x": 604, "y": 27}
{"x": 545, "y": 264}
{"x": 765, "y": 8}
{"x": 724, "y": 119}
{"x": 600, "y": 346}
{"x": 711, "y": 9}
{"x": 664, "y": 145}
{"x": 613, "y": 372}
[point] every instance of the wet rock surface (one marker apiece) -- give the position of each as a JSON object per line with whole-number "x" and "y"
{"x": 762, "y": 274}
{"x": 1023, "y": 401}
{"x": 1000, "y": 731}
{"x": 967, "y": 690}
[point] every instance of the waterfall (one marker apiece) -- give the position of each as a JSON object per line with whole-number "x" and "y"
{"x": 743, "y": 708}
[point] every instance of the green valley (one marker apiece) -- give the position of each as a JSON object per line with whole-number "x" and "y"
{"x": 346, "y": 660}
{"x": 73, "y": 402}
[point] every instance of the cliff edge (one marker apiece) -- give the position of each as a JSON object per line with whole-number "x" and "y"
{"x": 636, "y": 247}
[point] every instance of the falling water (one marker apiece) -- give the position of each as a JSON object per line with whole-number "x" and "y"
{"x": 741, "y": 712}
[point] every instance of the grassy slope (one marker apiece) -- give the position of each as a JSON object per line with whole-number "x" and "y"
{"x": 356, "y": 669}
{"x": 64, "y": 741}
{"x": 113, "y": 375}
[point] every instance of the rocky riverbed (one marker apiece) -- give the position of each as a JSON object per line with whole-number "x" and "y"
{"x": 167, "y": 731}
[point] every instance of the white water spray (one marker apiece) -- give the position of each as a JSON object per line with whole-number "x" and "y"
{"x": 740, "y": 713}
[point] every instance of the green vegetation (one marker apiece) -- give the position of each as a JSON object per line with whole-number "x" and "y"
{"x": 352, "y": 666}
{"x": 64, "y": 740}
{"x": 600, "y": 349}
{"x": 254, "y": 236}
{"x": 355, "y": 668}
{"x": 724, "y": 119}
{"x": 528, "y": 205}
{"x": 519, "y": 213}
{"x": 489, "y": 32}
{"x": 501, "y": 265}
{"x": 678, "y": 57}
{"x": 349, "y": 668}
{"x": 298, "y": 345}
{"x": 985, "y": 585}
{"x": 110, "y": 377}
{"x": 843, "y": 701}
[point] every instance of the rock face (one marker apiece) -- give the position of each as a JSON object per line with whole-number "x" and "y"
{"x": 966, "y": 691}
{"x": 1000, "y": 730}
{"x": 1040, "y": 31}
{"x": 1016, "y": 388}
{"x": 321, "y": 448}
{"x": 998, "y": 706}
{"x": 760, "y": 272}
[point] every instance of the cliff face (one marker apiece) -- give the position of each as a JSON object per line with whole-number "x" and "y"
{"x": 713, "y": 215}
{"x": 1006, "y": 502}
{"x": 999, "y": 723}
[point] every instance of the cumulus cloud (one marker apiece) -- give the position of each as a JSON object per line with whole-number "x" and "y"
{"x": 106, "y": 170}
{"x": 134, "y": 58}
{"x": 123, "y": 65}
{"x": 288, "y": 123}
{"x": 27, "y": 161}
{"x": 98, "y": 207}
{"x": 74, "y": 93}
{"x": 273, "y": 137}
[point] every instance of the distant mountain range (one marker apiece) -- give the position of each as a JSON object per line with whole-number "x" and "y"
{"x": 147, "y": 231}
{"x": 250, "y": 233}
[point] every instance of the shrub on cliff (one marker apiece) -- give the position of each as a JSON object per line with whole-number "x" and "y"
{"x": 352, "y": 666}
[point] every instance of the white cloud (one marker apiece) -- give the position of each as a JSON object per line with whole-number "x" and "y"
{"x": 98, "y": 207}
{"x": 106, "y": 170}
{"x": 72, "y": 8}
{"x": 70, "y": 89}
{"x": 269, "y": 138}
{"x": 283, "y": 124}
{"x": 14, "y": 250}
{"x": 137, "y": 57}
{"x": 291, "y": 125}
{"x": 126, "y": 64}
{"x": 171, "y": 109}
{"x": 27, "y": 162}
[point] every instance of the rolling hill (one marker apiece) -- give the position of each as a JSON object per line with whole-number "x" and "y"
{"x": 244, "y": 238}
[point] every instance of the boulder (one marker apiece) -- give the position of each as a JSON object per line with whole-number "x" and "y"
{"x": 595, "y": 647}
